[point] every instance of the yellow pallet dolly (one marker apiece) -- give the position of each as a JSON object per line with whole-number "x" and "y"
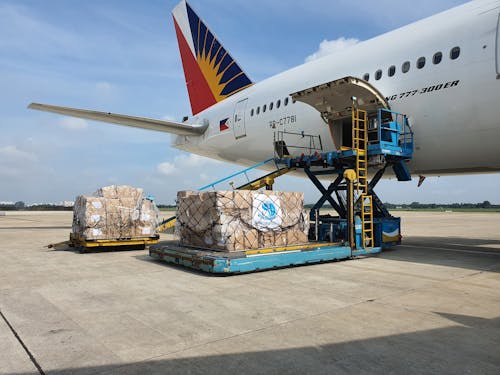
{"x": 84, "y": 245}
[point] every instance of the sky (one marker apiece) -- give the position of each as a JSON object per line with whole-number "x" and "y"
{"x": 122, "y": 56}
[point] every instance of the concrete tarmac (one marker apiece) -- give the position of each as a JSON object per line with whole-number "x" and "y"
{"x": 430, "y": 306}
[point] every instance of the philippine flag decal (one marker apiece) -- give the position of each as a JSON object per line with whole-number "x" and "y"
{"x": 224, "y": 124}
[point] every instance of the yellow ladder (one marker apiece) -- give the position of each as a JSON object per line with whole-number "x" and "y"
{"x": 367, "y": 220}
{"x": 360, "y": 146}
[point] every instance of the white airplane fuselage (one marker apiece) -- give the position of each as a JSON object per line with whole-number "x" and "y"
{"x": 453, "y": 106}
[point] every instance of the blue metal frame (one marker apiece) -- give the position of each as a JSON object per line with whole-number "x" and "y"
{"x": 227, "y": 264}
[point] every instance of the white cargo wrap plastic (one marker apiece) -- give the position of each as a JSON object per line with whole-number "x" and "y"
{"x": 114, "y": 212}
{"x": 267, "y": 215}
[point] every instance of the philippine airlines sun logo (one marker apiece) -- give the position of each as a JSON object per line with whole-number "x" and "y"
{"x": 222, "y": 74}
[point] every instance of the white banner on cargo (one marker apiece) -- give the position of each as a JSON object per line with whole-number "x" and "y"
{"x": 266, "y": 213}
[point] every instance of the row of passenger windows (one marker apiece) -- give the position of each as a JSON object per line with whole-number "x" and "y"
{"x": 272, "y": 105}
{"x": 421, "y": 61}
{"x": 405, "y": 68}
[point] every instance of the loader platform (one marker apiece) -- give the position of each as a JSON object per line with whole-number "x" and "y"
{"x": 374, "y": 139}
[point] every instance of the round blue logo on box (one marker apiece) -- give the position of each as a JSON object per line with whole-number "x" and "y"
{"x": 268, "y": 211}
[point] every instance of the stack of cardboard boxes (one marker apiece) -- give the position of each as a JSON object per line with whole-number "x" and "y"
{"x": 240, "y": 219}
{"x": 115, "y": 212}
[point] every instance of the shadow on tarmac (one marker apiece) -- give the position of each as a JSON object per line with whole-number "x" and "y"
{"x": 468, "y": 345}
{"x": 466, "y": 253}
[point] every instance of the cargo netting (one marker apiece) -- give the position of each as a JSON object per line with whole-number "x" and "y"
{"x": 241, "y": 219}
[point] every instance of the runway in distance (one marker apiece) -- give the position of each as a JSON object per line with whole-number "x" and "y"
{"x": 443, "y": 72}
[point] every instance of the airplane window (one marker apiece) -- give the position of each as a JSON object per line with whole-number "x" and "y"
{"x": 454, "y": 53}
{"x": 264, "y": 108}
{"x": 286, "y": 102}
{"x": 258, "y": 110}
{"x": 421, "y": 62}
{"x": 378, "y": 74}
{"x": 391, "y": 71}
{"x": 278, "y": 103}
{"x": 251, "y": 112}
{"x": 271, "y": 106}
{"x": 405, "y": 67}
{"x": 366, "y": 77}
{"x": 436, "y": 59}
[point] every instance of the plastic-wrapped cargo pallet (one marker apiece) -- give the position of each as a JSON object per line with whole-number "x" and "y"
{"x": 241, "y": 219}
{"x": 115, "y": 212}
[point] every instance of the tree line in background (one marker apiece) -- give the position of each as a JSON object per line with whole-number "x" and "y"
{"x": 434, "y": 206}
{"x": 21, "y": 206}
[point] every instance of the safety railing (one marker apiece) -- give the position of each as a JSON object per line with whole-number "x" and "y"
{"x": 243, "y": 173}
{"x": 391, "y": 128}
{"x": 286, "y": 142}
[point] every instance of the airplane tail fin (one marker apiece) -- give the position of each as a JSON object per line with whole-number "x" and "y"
{"x": 211, "y": 73}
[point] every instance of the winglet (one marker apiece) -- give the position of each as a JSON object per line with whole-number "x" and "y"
{"x": 211, "y": 73}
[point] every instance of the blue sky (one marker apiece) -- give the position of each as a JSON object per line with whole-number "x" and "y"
{"x": 122, "y": 56}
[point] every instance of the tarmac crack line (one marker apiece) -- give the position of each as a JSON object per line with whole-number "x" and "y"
{"x": 381, "y": 301}
{"x": 18, "y": 338}
{"x": 453, "y": 250}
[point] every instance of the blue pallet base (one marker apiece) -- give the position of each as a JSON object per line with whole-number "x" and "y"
{"x": 241, "y": 262}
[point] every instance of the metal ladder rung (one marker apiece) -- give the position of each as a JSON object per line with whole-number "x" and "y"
{"x": 360, "y": 145}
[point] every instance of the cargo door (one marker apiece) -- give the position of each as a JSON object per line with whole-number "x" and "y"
{"x": 497, "y": 47}
{"x": 239, "y": 119}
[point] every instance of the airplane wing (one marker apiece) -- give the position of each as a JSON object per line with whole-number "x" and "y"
{"x": 137, "y": 122}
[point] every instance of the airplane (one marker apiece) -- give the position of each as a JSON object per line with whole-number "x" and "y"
{"x": 442, "y": 71}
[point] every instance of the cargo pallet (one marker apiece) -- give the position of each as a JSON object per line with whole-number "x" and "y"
{"x": 218, "y": 262}
{"x": 84, "y": 245}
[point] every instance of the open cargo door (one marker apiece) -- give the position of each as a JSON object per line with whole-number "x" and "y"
{"x": 334, "y": 101}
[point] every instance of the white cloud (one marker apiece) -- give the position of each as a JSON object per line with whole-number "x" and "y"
{"x": 190, "y": 163}
{"x": 73, "y": 123}
{"x": 328, "y": 47}
{"x": 193, "y": 161}
{"x": 13, "y": 154}
{"x": 167, "y": 169}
